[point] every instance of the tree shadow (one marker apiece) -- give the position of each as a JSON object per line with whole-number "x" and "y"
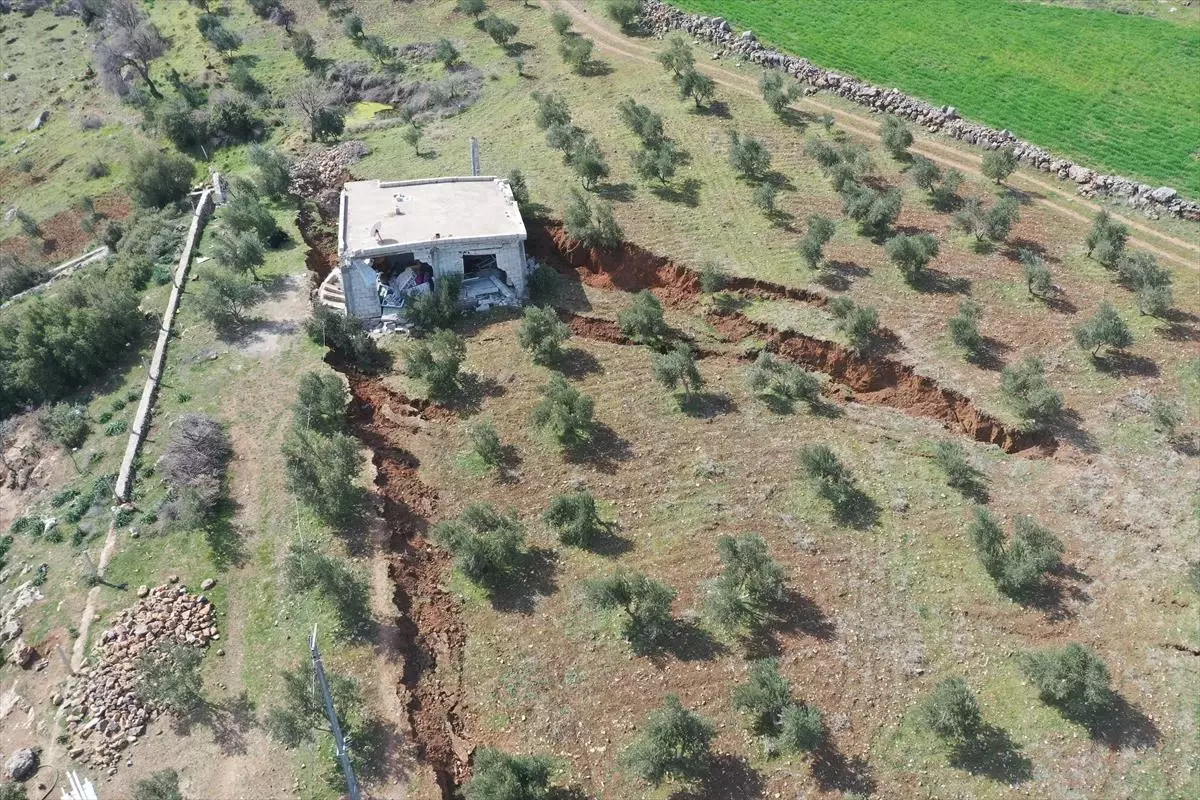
{"x": 795, "y": 118}
{"x": 1013, "y": 247}
{"x": 1050, "y": 595}
{"x": 780, "y": 181}
{"x": 939, "y": 282}
{"x": 1121, "y": 726}
{"x": 972, "y": 486}
{"x": 1059, "y": 303}
{"x": 990, "y": 354}
{"x": 576, "y": 363}
{"x": 1120, "y": 364}
{"x": 796, "y": 614}
{"x": 715, "y": 108}
{"x": 729, "y": 777}
{"x": 685, "y": 192}
{"x": 594, "y": 68}
{"x": 687, "y": 641}
{"x": 573, "y": 792}
{"x": 514, "y": 49}
{"x": 532, "y": 578}
{"x": 706, "y": 405}
{"x": 1068, "y": 425}
{"x": 609, "y": 542}
{"x": 615, "y": 192}
{"x": 994, "y": 755}
{"x": 834, "y": 772}
{"x": 983, "y": 247}
{"x": 605, "y": 450}
{"x": 856, "y": 510}
{"x": 224, "y": 538}
{"x": 229, "y": 722}
{"x": 1181, "y": 326}
{"x": 473, "y": 390}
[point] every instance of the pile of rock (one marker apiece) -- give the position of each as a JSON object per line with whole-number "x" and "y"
{"x": 103, "y": 711}
{"x": 660, "y": 17}
{"x": 326, "y": 168}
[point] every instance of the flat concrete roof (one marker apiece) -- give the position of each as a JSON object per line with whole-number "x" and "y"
{"x": 422, "y": 213}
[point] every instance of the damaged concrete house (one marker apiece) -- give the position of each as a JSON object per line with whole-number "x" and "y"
{"x": 397, "y": 239}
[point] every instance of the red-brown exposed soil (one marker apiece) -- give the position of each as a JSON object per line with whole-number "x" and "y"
{"x": 430, "y": 635}
{"x": 874, "y": 379}
{"x": 602, "y": 330}
{"x": 321, "y": 256}
{"x": 62, "y": 235}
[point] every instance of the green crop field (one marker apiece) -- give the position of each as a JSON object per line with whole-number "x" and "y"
{"x": 1117, "y": 93}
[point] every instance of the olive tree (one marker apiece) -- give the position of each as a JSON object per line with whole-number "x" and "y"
{"x": 645, "y": 603}
{"x": 1027, "y": 392}
{"x": 436, "y": 360}
{"x": 674, "y": 743}
{"x": 812, "y": 246}
{"x": 676, "y": 369}
{"x": 765, "y": 699}
{"x": 911, "y": 254}
{"x": 500, "y": 776}
{"x": 643, "y": 320}
{"x": 486, "y": 543}
{"x": 951, "y": 712}
{"x": 564, "y": 412}
{"x": 1106, "y": 329}
{"x": 1073, "y": 678}
{"x": 999, "y": 164}
{"x": 574, "y": 518}
{"x": 896, "y": 136}
{"x": 750, "y": 588}
{"x": 542, "y": 333}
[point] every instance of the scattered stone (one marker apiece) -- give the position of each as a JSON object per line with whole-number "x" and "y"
{"x": 899, "y": 504}
{"x": 39, "y": 120}
{"x": 208, "y": 584}
{"x": 173, "y": 579}
{"x": 143, "y": 590}
{"x": 11, "y": 630}
{"x": 22, "y": 654}
{"x": 8, "y": 76}
{"x": 21, "y": 765}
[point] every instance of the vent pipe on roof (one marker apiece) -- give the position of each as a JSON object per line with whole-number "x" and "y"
{"x": 474, "y": 157}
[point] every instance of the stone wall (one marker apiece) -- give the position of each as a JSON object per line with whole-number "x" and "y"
{"x": 662, "y": 18}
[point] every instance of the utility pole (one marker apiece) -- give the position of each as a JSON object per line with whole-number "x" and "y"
{"x": 339, "y": 741}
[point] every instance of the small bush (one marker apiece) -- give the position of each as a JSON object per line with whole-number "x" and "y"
{"x": 896, "y": 136}
{"x": 712, "y": 277}
{"x": 499, "y": 776}
{"x": 746, "y": 595}
{"x": 169, "y": 677}
{"x": 1166, "y": 415}
{"x": 748, "y": 157}
{"x": 828, "y": 476}
{"x": 1037, "y": 274}
{"x": 564, "y": 412}
{"x": 1019, "y": 566}
{"x": 859, "y": 324}
{"x": 801, "y": 729}
{"x": 500, "y": 30}
{"x": 321, "y": 403}
{"x": 436, "y": 361}
{"x": 440, "y": 308}
{"x": 763, "y": 697}
{"x": 776, "y": 92}
{"x": 820, "y": 231}
{"x": 485, "y": 443}
{"x": 1073, "y": 678}
{"x": 674, "y": 743}
{"x": 65, "y": 424}
{"x": 1025, "y": 388}
{"x": 472, "y": 8}
{"x": 307, "y": 568}
{"x": 1105, "y": 329}
{"x": 573, "y": 517}
{"x": 274, "y": 171}
{"x": 951, "y": 712}
{"x": 964, "y": 329}
{"x": 161, "y": 785}
{"x": 159, "y": 179}
{"x": 676, "y": 369}
{"x": 951, "y": 458}
{"x": 772, "y": 377}
{"x": 593, "y": 225}
{"x": 345, "y": 335}
{"x": 645, "y": 602}
{"x": 999, "y": 164}
{"x": 643, "y": 321}
{"x": 486, "y": 543}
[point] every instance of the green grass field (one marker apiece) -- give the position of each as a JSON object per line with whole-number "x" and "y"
{"x": 1115, "y": 92}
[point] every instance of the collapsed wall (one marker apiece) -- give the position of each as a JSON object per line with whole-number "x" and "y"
{"x": 661, "y": 18}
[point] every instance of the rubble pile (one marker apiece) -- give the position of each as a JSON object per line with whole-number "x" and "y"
{"x": 661, "y": 18}
{"x": 103, "y": 711}
{"x": 325, "y": 169}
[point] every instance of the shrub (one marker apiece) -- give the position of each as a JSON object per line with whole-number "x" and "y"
{"x": 1105, "y": 329}
{"x": 748, "y": 157}
{"x": 678, "y": 57}
{"x": 827, "y": 475}
{"x": 874, "y": 211}
{"x": 712, "y": 277}
{"x": 576, "y": 52}
{"x": 95, "y": 169}
{"x": 801, "y": 729}
{"x": 564, "y": 412}
{"x": 1025, "y": 389}
{"x": 645, "y": 124}
{"x": 245, "y": 213}
{"x": 561, "y": 22}
{"x": 378, "y": 49}
{"x": 307, "y": 568}
{"x": 243, "y": 80}
{"x": 221, "y": 38}
{"x": 820, "y": 231}
{"x": 159, "y": 179}
{"x": 860, "y": 325}
{"x": 574, "y": 518}
{"x": 592, "y": 224}
{"x": 645, "y": 602}
{"x": 674, "y": 743}
{"x": 116, "y": 428}
{"x": 352, "y": 26}
{"x": 501, "y": 30}
{"x": 226, "y": 297}
{"x": 763, "y": 697}
{"x": 322, "y": 473}
{"x": 964, "y": 328}
{"x": 1018, "y": 566}
{"x": 436, "y": 361}
{"x": 587, "y": 159}
{"x": 764, "y": 198}
{"x": 344, "y": 334}
{"x": 65, "y": 424}
{"x": 1037, "y": 274}
{"x": 951, "y": 459}
{"x": 695, "y": 85}
{"x": 623, "y": 12}
{"x": 745, "y": 596}
{"x": 169, "y": 677}
{"x": 499, "y": 776}
{"x": 446, "y": 53}
{"x": 787, "y": 382}
{"x": 321, "y": 403}
{"x": 1073, "y": 678}
{"x": 896, "y": 136}
{"x": 543, "y": 285}
{"x": 486, "y": 543}
{"x": 950, "y": 712}
{"x": 999, "y": 164}
{"x": 1106, "y": 240}
{"x": 520, "y": 189}
{"x": 485, "y": 443}
{"x": 911, "y": 254}
{"x": 643, "y": 320}
{"x": 676, "y": 368}
{"x": 924, "y": 173}
{"x": 551, "y": 110}
{"x": 776, "y": 94}
{"x": 1193, "y": 575}
{"x": 659, "y": 160}
{"x": 161, "y": 785}
{"x": 274, "y": 171}
{"x": 944, "y": 195}
{"x": 238, "y": 252}
{"x": 472, "y": 8}
{"x": 542, "y": 333}
{"x": 1165, "y": 414}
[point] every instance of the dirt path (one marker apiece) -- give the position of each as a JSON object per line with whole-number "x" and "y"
{"x": 866, "y": 126}
{"x": 79, "y": 651}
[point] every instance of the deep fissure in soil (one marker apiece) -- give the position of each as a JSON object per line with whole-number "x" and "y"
{"x": 875, "y": 379}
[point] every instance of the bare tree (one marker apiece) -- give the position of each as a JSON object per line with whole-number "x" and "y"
{"x": 129, "y": 41}
{"x": 317, "y": 107}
